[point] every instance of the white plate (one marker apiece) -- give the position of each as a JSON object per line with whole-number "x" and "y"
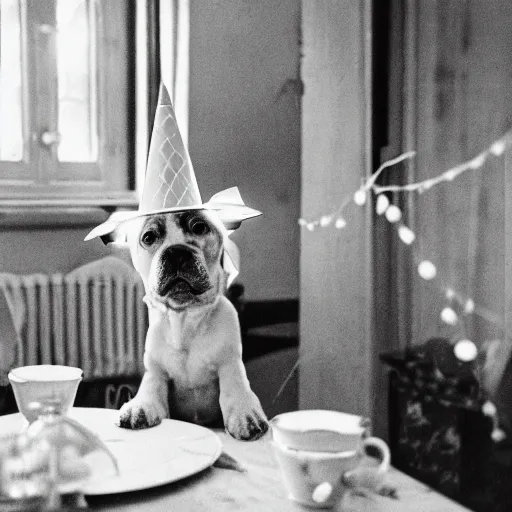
{"x": 147, "y": 458}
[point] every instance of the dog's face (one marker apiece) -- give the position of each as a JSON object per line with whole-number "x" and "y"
{"x": 178, "y": 256}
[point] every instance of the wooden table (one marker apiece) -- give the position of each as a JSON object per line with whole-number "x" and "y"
{"x": 260, "y": 489}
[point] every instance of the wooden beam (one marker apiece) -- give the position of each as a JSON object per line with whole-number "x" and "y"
{"x": 335, "y": 284}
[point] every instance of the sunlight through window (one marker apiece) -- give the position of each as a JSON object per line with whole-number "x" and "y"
{"x": 11, "y": 118}
{"x": 77, "y": 81}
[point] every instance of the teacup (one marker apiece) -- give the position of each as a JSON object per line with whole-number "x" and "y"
{"x": 44, "y": 384}
{"x": 320, "y": 455}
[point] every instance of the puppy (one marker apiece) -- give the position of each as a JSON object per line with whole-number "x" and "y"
{"x": 193, "y": 339}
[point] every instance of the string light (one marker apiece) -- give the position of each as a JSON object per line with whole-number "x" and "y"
{"x": 450, "y": 294}
{"x": 393, "y": 213}
{"x": 498, "y": 148}
{"x": 490, "y": 410}
{"x": 406, "y": 235}
{"x": 465, "y": 350}
{"x": 360, "y": 197}
{"x": 325, "y": 220}
{"x": 448, "y": 316}
{"x": 340, "y": 223}
{"x": 427, "y": 270}
{"x": 469, "y": 307}
{"x": 381, "y": 204}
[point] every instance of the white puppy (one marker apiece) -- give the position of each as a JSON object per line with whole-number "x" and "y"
{"x": 193, "y": 354}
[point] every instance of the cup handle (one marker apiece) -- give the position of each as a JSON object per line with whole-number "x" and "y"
{"x": 366, "y": 477}
{"x": 370, "y": 477}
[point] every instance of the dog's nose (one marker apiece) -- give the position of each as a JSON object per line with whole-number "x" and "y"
{"x": 174, "y": 258}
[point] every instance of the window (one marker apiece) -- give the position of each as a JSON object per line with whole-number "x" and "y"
{"x": 67, "y": 101}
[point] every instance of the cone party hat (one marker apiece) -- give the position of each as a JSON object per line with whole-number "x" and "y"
{"x": 170, "y": 183}
{"x": 170, "y": 178}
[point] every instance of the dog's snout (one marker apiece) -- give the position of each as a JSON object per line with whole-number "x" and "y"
{"x": 174, "y": 258}
{"x": 180, "y": 272}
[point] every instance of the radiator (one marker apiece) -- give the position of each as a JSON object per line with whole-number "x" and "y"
{"x": 96, "y": 323}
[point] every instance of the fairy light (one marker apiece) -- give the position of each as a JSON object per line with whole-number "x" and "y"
{"x": 450, "y": 293}
{"x": 469, "y": 307}
{"x": 465, "y": 350}
{"x": 360, "y": 197}
{"x": 325, "y": 221}
{"x": 340, "y": 223}
{"x": 406, "y": 235}
{"x": 498, "y": 148}
{"x": 382, "y": 204}
{"x": 427, "y": 270}
{"x": 490, "y": 410}
{"x": 393, "y": 213}
{"x": 448, "y": 316}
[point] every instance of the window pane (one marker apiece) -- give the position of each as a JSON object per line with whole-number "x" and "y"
{"x": 77, "y": 82}
{"x": 11, "y": 118}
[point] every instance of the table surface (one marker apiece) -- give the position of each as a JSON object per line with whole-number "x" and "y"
{"x": 260, "y": 488}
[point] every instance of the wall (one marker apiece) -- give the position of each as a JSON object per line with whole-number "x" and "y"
{"x": 244, "y": 128}
{"x": 49, "y": 250}
{"x": 242, "y": 132}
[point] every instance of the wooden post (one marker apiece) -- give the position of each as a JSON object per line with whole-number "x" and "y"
{"x": 336, "y": 278}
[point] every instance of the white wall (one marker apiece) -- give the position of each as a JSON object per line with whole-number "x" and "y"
{"x": 243, "y": 132}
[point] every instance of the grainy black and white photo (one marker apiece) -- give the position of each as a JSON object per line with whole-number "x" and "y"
{"x": 256, "y": 255}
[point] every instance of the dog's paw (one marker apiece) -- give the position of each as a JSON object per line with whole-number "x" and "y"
{"x": 247, "y": 424}
{"x": 137, "y": 414}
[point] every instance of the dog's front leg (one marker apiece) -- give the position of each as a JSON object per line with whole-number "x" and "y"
{"x": 150, "y": 404}
{"x": 243, "y": 416}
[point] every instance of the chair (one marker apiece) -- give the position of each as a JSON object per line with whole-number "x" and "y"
{"x": 92, "y": 317}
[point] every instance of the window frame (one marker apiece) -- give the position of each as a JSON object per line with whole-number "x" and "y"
{"x": 84, "y": 195}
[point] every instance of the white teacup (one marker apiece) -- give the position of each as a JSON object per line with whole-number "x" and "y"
{"x": 320, "y": 455}
{"x": 40, "y": 384}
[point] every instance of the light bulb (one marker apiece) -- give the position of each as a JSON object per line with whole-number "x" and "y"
{"x": 498, "y": 148}
{"x": 360, "y": 197}
{"x": 450, "y": 293}
{"x": 393, "y": 213}
{"x": 325, "y": 220}
{"x": 427, "y": 270}
{"x": 489, "y": 409}
{"x": 448, "y": 316}
{"x": 340, "y": 223}
{"x": 469, "y": 307}
{"x": 382, "y": 204}
{"x": 406, "y": 235}
{"x": 465, "y": 350}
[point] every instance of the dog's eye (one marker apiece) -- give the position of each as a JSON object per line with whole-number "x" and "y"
{"x": 198, "y": 226}
{"x": 149, "y": 238}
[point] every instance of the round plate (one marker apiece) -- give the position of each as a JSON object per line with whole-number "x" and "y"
{"x": 147, "y": 458}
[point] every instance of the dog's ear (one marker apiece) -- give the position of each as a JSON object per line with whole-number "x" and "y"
{"x": 230, "y": 260}
{"x": 117, "y": 237}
